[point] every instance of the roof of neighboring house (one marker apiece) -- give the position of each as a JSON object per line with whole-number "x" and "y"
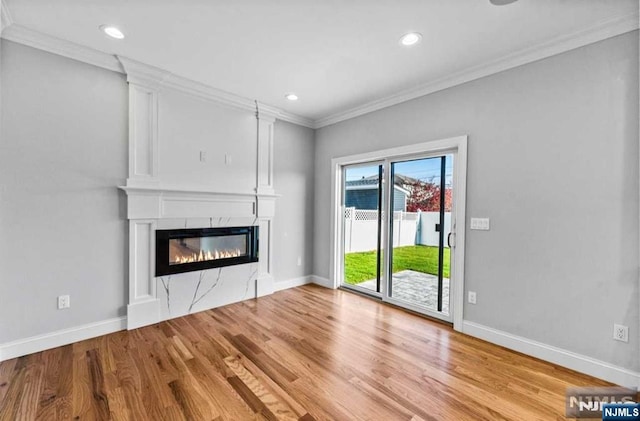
{"x": 398, "y": 178}
{"x": 372, "y": 181}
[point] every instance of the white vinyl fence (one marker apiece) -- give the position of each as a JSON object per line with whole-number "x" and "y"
{"x": 428, "y": 235}
{"x": 409, "y": 228}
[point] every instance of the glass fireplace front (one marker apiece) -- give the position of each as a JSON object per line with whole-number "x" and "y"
{"x": 186, "y": 250}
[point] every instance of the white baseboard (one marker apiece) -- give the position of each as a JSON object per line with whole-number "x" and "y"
{"x": 323, "y": 282}
{"x": 581, "y": 363}
{"x": 265, "y": 285}
{"x": 292, "y": 283}
{"x": 143, "y": 313}
{"x": 61, "y": 337}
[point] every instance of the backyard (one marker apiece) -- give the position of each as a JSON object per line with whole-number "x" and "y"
{"x": 361, "y": 266}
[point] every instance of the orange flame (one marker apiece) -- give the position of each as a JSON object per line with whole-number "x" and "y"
{"x": 206, "y": 256}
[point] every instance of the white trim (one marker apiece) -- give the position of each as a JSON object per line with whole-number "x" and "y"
{"x": 433, "y": 146}
{"x": 601, "y": 31}
{"x": 295, "y": 119}
{"x": 61, "y": 337}
{"x": 190, "y": 189}
{"x": 456, "y": 145}
{"x": 145, "y": 311}
{"x": 336, "y": 228}
{"x": 292, "y": 283}
{"x": 581, "y": 363}
{"x": 434, "y": 314}
{"x": 323, "y": 282}
{"x": 142, "y": 73}
{"x": 7, "y": 19}
{"x": 20, "y": 34}
{"x": 459, "y": 228}
{"x": 195, "y": 202}
{"x": 143, "y": 134}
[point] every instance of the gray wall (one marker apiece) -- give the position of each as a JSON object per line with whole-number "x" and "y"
{"x": 553, "y": 161}
{"x": 63, "y": 151}
{"x": 294, "y": 181}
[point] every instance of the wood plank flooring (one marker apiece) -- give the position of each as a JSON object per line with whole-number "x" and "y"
{"x": 307, "y": 353}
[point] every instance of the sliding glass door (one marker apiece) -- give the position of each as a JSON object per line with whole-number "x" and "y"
{"x": 362, "y": 227}
{"x": 396, "y": 227}
{"x": 422, "y": 198}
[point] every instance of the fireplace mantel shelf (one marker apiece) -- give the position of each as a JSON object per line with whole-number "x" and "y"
{"x": 159, "y": 190}
{"x": 160, "y": 202}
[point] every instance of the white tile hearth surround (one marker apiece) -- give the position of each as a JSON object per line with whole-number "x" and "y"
{"x": 190, "y": 292}
{"x": 221, "y": 177}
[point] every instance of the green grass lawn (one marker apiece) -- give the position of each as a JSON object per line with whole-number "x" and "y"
{"x": 362, "y": 266}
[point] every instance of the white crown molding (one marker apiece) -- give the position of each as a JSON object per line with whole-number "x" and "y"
{"x": 140, "y": 73}
{"x": 210, "y": 93}
{"x": 20, "y": 34}
{"x": 7, "y": 19}
{"x": 599, "y": 32}
{"x": 296, "y": 119}
{"x": 145, "y": 74}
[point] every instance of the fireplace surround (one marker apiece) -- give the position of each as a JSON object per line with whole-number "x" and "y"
{"x": 169, "y": 188}
{"x": 186, "y": 250}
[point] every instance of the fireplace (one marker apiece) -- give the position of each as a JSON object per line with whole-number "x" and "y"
{"x": 186, "y": 250}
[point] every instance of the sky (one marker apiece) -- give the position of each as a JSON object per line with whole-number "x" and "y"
{"x": 427, "y": 169}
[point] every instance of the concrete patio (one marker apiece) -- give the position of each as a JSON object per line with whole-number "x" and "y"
{"x": 416, "y": 288}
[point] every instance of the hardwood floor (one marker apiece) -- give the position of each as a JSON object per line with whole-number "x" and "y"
{"x": 307, "y": 353}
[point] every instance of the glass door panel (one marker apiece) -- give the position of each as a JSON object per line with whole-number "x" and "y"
{"x": 421, "y": 197}
{"x": 362, "y": 227}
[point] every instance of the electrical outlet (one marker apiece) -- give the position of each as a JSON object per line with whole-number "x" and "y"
{"x": 472, "y": 297}
{"x": 64, "y": 301}
{"x": 203, "y": 156}
{"x": 299, "y": 261}
{"x": 621, "y": 333}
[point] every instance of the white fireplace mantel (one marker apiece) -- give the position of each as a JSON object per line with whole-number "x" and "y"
{"x": 188, "y": 202}
{"x": 147, "y": 206}
{"x": 151, "y": 202}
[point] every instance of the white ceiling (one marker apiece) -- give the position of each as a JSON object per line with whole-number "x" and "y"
{"x": 336, "y": 55}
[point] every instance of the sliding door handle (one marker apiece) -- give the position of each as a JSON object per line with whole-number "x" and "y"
{"x": 449, "y": 240}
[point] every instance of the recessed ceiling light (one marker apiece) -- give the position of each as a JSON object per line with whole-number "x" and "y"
{"x": 411, "y": 38}
{"x": 502, "y": 2}
{"x": 112, "y": 31}
{"x": 291, "y": 97}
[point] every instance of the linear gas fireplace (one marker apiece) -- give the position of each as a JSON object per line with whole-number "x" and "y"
{"x": 186, "y": 250}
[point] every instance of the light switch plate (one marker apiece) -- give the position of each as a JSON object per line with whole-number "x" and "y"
{"x": 481, "y": 224}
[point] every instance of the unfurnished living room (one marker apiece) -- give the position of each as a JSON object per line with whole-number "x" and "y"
{"x": 319, "y": 210}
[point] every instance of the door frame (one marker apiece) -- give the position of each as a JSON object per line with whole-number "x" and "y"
{"x": 458, "y": 145}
